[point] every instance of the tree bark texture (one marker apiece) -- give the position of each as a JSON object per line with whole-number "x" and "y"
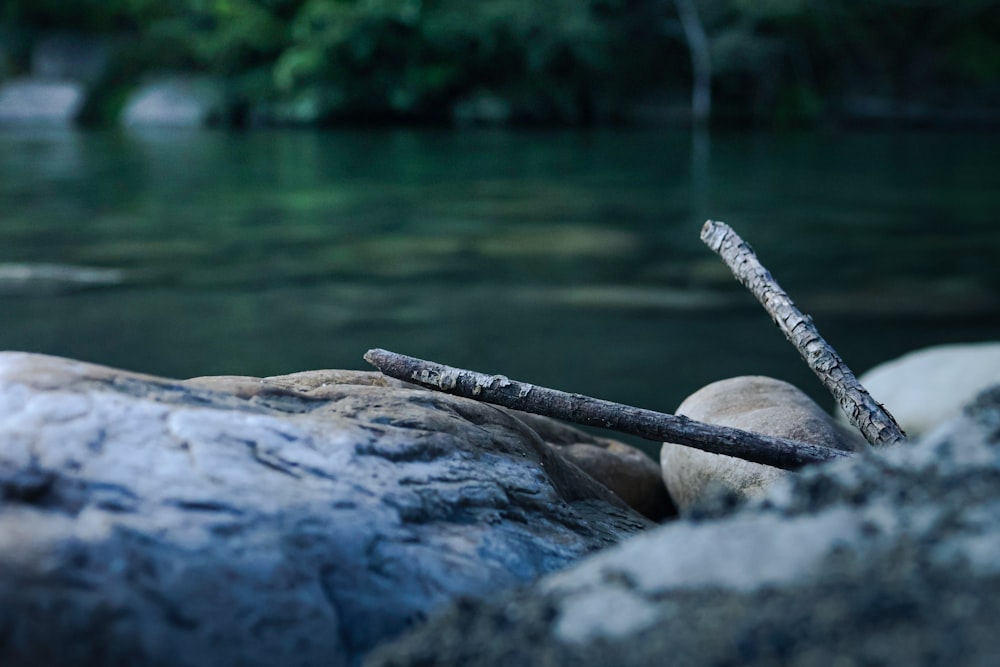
{"x": 580, "y": 409}
{"x": 869, "y": 416}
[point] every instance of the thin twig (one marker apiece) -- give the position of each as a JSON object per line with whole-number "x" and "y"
{"x": 869, "y": 416}
{"x": 657, "y": 426}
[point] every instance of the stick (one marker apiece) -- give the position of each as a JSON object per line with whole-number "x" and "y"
{"x": 657, "y": 426}
{"x": 874, "y": 421}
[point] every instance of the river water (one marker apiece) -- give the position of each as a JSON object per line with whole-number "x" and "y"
{"x": 565, "y": 259}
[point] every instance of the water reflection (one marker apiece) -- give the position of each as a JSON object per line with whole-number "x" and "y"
{"x": 701, "y": 172}
{"x": 565, "y": 259}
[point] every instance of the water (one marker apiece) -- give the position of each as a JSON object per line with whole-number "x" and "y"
{"x": 565, "y": 259}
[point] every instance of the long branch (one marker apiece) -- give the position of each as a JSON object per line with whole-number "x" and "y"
{"x": 657, "y": 426}
{"x": 869, "y": 416}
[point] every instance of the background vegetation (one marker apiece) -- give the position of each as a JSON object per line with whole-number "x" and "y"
{"x": 572, "y": 61}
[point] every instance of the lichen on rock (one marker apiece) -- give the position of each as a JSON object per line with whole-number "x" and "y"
{"x": 883, "y": 559}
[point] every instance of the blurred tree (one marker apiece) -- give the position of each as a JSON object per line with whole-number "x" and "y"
{"x": 407, "y": 56}
{"x": 565, "y": 60}
{"x": 903, "y": 48}
{"x": 701, "y": 60}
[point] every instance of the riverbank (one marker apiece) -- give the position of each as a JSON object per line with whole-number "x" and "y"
{"x": 94, "y": 79}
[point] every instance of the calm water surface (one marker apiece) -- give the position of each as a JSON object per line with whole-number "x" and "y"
{"x": 565, "y": 259}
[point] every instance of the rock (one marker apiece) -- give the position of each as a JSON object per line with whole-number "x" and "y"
{"x": 928, "y": 387}
{"x": 316, "y": 384}
{"x": 752, "y": 403}
{"x": 64, "y": 67}
{"x": 483, "y": 108}
{"x": 27, "y": 101}
{"x": 175, "y": 101}
{"x": 629, "y": 473}
{"x": 295, "y": 520}
{"x": 888, "y": 559}
{"x": 625, "y": 470}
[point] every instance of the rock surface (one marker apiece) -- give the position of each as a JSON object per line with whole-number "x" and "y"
{"x": 64, "y": 67}
{"x": 926, "y": 388}
{"x": 626, "y": 470}
{"x": 177, "y": 101}
{"x": 290, "y": 521}
{"x": 623, "y": 469}
{"x": 29, "y": 101}
{"x": 752, "y": 403}
{"x": 882, "y": 560}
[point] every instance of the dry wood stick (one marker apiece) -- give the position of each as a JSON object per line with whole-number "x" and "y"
{"x": 657, "y": 426}
{"x": 869, "y": 416}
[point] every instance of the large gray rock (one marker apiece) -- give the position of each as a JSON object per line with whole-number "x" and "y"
{"x": 178, "y": 101}
{"x": 752, "y": 403}
{"x": 624, "y": 470}
{"x": 287, "y": 521}
{"x": 64, "y": 68}
{"x": 925, "y": 388}
{"x": 27, "y": 101}
{"x": 884, "y": 560}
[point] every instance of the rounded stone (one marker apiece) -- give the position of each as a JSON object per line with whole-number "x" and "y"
{"x": 928, "y": 387}
{"x": 751, "y": 403}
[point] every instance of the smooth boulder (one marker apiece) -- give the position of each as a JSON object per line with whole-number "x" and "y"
{"x": 27, "y": 101}
{"x": 64, "y": 70}
{"x": 175, "y": 101}
{"x": 299, "y": 520}
{"x": 623, "y": 469}
{"x": 928, "y": 387}
{"x": 883, "y": 560}
{"x": 751, "y": 403}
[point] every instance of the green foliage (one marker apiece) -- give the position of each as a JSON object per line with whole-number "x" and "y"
{"x": 976, "y": 57}
{"x": 566, "y": 60}
{"x": 314, "y": 59}
{"x": 783, "y": 60}
{"x": 224, "y": 35}
{"x": 900, "y": 45}
{"x": 351, "y": 56}
{"x": 83, "y": 15}
{"x": 409, "y": 57}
